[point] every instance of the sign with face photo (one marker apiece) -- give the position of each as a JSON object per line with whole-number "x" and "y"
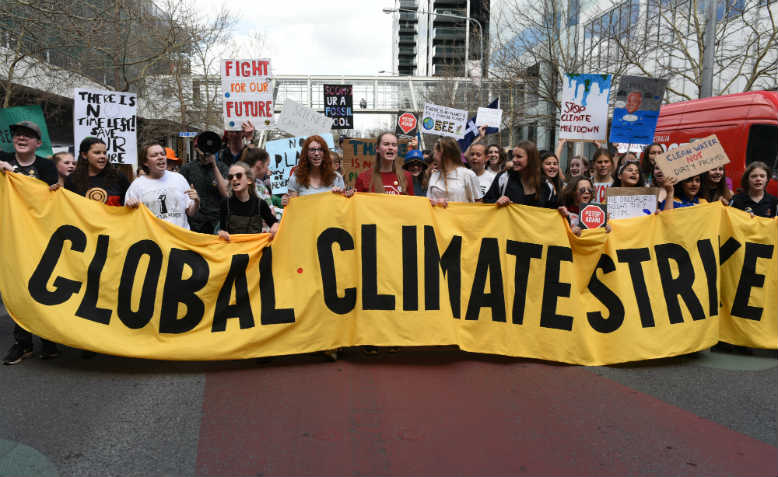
{"x": 637, "y": 109}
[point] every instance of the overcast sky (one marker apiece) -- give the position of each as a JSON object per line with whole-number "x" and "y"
{"x": 318, "y": 37}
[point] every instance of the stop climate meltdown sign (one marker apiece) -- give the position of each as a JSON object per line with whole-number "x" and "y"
{"x": 248, "y": 94}
{"x": 339, "y": 105}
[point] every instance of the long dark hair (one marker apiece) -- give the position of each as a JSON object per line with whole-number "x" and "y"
{"x": 532, "y": 172}
{"x": 80, "y": 176}
{"x": 556, "y": 182}
{"x": 715, "y": 191}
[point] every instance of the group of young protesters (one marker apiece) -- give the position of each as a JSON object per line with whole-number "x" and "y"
{"x": 229, "y": 192}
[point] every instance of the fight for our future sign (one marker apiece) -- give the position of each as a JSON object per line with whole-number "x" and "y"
{"x": 248, "y": 93}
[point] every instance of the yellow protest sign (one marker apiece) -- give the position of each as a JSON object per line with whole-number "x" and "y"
{"x": 386, "y": 271}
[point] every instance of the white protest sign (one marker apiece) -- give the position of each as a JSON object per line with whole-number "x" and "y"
{"x": 248, "y": 93}
{"x": 626, "y": 202}
{"x": 692, "y": 159}
{"x": 284, "y": 154}
{"x": 300, "y": 120}
{"x": 489, "y": 117}
{"x": 443, "y": 121}
{"x": 110, "y": 116}
{"x": 584, "y": 113}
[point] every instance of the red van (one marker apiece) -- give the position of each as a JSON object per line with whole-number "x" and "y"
{"x": 745, "y": 123}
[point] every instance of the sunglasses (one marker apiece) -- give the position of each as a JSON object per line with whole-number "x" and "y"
{"x": 237, "y": 175}
{"x": 584, "y": 190}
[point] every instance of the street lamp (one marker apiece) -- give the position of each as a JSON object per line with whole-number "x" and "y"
{"x": 467, "y": 36}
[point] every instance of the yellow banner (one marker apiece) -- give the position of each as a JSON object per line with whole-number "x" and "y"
{"x": 386, "y": 271}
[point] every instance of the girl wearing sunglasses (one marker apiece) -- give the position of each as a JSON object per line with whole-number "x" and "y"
{"x": 243, "y": 212}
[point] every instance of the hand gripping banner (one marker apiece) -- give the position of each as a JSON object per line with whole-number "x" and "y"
{"x": 387, "y": 271}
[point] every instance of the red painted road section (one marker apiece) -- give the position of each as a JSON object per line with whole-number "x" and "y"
{"x": 441, "y": 412}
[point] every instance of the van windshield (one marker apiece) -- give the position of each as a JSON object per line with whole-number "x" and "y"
{"x": 763, "y": 146}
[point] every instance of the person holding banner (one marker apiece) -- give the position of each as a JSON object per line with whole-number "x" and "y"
{"x": 166, "y": 194}
{"x": 452, "y": 182}
{"x": 684, "y": 194}
{"x": 65, "y": 164}
{"x": 243, "y": 212}
{"x": 95, "y": 177}
{"x": 26, "y": 137}
{"x": 714, "y": 186}
{"x": 385, "y": 176}
{"x": 522, "y": 183}
{"x": 552, "y": 177}
{"x": 753, "y": 198}
{"x": 314, "y": 173}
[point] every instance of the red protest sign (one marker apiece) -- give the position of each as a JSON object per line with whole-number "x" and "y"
{"x": 592, "y": 216}
{"x": 406, "y": 125}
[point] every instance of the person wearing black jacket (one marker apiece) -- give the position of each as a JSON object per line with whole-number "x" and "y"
{"x": 26, "y": 140}
{"x": 522, "y": 183}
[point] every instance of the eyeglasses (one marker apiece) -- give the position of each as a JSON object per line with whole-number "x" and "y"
{"x": 315, "y": 149}
{"x": 237, "y": 175}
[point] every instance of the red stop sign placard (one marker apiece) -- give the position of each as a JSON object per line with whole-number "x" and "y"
{"x": 407, "y": 122}
{"x": 592, "y": 216}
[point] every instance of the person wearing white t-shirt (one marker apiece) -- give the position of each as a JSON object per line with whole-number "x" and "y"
{"x": 167, "y": 194}
{"x": 476, "y": 156}
{"x": 452, "y": 182}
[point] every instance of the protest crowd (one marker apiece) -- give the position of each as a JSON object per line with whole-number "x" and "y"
{"x": 229, "y": 192}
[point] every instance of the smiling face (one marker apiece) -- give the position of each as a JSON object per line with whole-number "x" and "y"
{"x": 630, "y": 175}
{"x": 691, "y": 187}
{"x": 576, "y": 167}
{"x": 550, "y": 167}
{"x": 520, "y": 159}
{"x": 493, "y": 155}
{"x": 25, "y": 141}
{"x": 96, "y": 158}
{"x": 156, "y": 161}
{"x": 387, "y": 147}
{"x": 315, "y": 154}
{"x": 66, "y": 165}
{"x": 715, "y": 175}
{"x": 757, "y": 180}
{"x": 602, "y": 165}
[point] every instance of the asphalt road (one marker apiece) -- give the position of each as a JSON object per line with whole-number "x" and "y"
{"x": 420, "y": 411}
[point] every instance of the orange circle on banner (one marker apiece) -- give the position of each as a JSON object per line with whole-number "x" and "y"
{"x": 97, "y": 193}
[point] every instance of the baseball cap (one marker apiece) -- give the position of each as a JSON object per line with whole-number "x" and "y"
{"x": 26, "y": 125}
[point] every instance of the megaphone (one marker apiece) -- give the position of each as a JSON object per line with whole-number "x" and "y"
{"x": 209, "y": 142}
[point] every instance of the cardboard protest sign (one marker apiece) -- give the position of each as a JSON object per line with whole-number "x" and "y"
{"x": 248, "y": 93}
{"x": 359, "y": 155}
{"x": 489, "y": 117}
{"x": 584, "y": 114}
{"x": 694, "y": 158}
{"x": 110, "y": 116}
{"x": 301, "y": 120}
{"x": 284, "y": 154}
{"x": 443, "y": 121}
{"x": 18, "y": 114}
{"x": 339, "y": 105}
{"x": 637, "y": 109}
{"x": 592, "y": 216}
{"x": 407, "y": 125}
{"x": 626, "y": 202}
